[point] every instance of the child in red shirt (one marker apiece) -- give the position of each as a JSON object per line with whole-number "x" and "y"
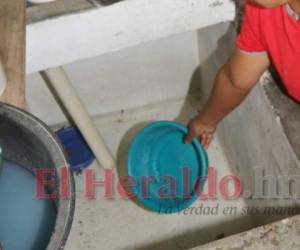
{"x": 270, "y": 33}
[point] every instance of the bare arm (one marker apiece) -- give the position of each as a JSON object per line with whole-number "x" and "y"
{"x": 233, "y": 83}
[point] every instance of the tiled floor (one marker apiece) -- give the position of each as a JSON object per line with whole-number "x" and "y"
{"x": 121, "y": 224}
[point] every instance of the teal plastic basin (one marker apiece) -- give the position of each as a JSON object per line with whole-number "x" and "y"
{"x": 168, "y": 173}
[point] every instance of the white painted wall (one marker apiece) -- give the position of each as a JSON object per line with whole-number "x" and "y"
{"x": 68, "y": 38}
{"x": 133, "y": 77}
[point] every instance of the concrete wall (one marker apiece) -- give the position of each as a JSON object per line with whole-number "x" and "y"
{"x": 252, "y": 135}
{"x": 134, "y": 77}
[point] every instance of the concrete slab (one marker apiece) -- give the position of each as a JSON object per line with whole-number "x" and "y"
{"x": 84, "y": 34}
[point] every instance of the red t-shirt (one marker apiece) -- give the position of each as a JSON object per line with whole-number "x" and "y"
{"x": 277, "y": 33}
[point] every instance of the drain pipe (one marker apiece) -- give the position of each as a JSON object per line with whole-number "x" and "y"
{"x": 61, "y": 84}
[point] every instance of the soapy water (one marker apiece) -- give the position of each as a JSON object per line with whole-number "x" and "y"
{"x": 26, "y": 223}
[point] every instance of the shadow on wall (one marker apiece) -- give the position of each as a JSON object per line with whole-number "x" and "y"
{"x": 57, "y": 99}
{"x": 214, "y": 51}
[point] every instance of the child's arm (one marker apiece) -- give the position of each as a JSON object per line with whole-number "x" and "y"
{"x": 233, "y": 83}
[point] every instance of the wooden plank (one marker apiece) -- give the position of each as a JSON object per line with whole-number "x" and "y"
{"x": 12, "y": 50}
{"x": 59, "y": 41}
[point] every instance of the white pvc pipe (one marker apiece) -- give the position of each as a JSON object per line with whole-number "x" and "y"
{"x": 68, "y": 96}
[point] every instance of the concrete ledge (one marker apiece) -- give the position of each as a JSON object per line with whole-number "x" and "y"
{"x": 99, "y": 30}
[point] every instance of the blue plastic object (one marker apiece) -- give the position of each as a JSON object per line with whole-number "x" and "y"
{"x": 79, "y": 153}
{"x": 168, "y": 173}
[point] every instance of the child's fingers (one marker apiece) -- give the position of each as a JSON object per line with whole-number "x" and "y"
{"x": 190, "y": 136}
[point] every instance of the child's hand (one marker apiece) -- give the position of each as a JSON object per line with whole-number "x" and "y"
{"x": 198, "y": 128}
